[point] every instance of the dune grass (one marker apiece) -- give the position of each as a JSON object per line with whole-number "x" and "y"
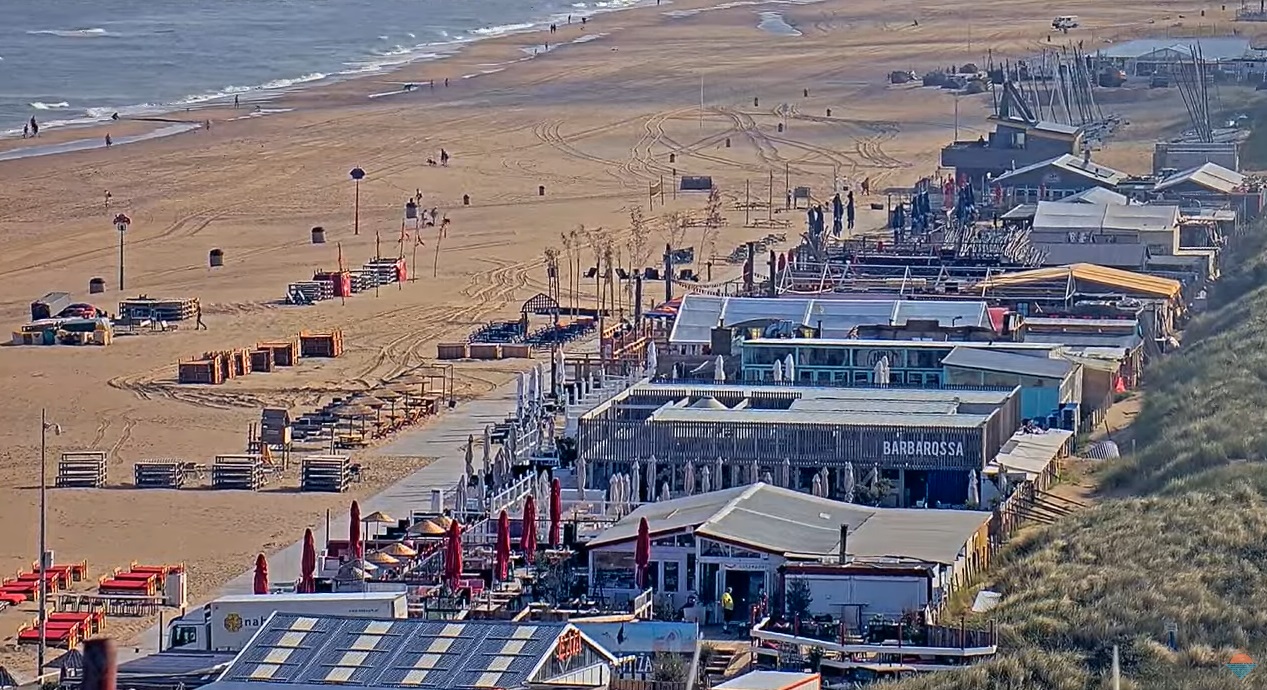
{"x": 1179, "y": 537}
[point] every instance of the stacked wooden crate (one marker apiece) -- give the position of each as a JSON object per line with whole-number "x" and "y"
{"x": 451, "y": 351}
{"x": 285, "y": 352}
{"x": 82, "y": 470}
{"x": 328, "y": 473}
{"x": 207, "y": 370}
{"x": 159, "y": 474}
{"x": 142, "y": 308}
{"x": 321, "y": 344}
{"x": 238, "y": 473}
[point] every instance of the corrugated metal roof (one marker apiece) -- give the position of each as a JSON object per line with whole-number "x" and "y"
{"x": 782, "y": 521}
{"x": 700, "y": 314}
{"x": 1060, "y": 216}
{"x": 974, "y": 396}
{"x": 1095, "y": 195}
{"x": 767, "y": 680}
{"x": 891, "y": 344}
{"x": 1213, "y": 48}
{"x": 1047, "y": 367}
{"x": 872, "y": 405}
{"x": 1070, "y": 164}
{"x": 668, "y": 415}
{"x": 1075, "y": 339}
{"x": 409, "y": 653}
{"x": 1118, "y": 324}
{"x": 1115, "y": 255}
{"x": 1101, "y": 275}
{"x": 1032, "y": 452}
{"x": 1212, "y": 176}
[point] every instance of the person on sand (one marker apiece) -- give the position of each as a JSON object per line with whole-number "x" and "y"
{"x": 554, "y": 28}
{"x": 444, "y": 157}
{"x": 198, "y": 314}
{"x": 235, "y": 103}
{"x": 109, "y": 141}
{"x": 26, "y": 130}
{"x": 35, "y": 127}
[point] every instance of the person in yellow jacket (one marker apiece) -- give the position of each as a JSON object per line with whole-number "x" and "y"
{"x": 727, "y": 609}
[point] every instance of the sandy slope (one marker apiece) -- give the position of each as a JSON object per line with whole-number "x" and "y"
{"x": 593, "y": 122}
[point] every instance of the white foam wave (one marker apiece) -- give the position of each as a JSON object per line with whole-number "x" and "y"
{"x": 382, "y": 37}
{"x": 411, "y": 35}
{"x": 589, "y": 37}
{"x": 395, "y": 50}
{"x": 71, "y": 33}
{"x": 503, "y": 29}
{"x": 49, "y": 106}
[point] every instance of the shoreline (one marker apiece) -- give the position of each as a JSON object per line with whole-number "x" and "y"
{"x": 472, "y": 59}
{"x": 92, "y": 130}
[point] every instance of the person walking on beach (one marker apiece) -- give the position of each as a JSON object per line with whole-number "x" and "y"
{"x": 444, "y": 157}
{"x": 26, "y": 130}
{"x": 109, "y": 141}
{"x": 198, "y": 315}
{"x": 554, "y": 28}
{"x": 35, "y": 127}
{"x": 235, "y": 102}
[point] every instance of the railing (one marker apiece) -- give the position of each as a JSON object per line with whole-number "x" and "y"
{"x": 939, "y": 641}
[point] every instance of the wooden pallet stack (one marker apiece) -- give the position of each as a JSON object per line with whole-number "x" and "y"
{"x": 142, "y": 308}
{"x": 485, "y": 350}
{"x": 285, "y": 352}
{"x": 451, "y": 351}
{"x": 312, "y": 290}
{"x": 159, "y": 474}
{"x": 82, "y": 470}
{"x": 238, "y": 473}
{"x": 321, "y": 344}
{"x": 385, "y": 270}
{"x": 326, "y": 473}
{"x": 262, "y": 360}
{"x": 205, "y": 370}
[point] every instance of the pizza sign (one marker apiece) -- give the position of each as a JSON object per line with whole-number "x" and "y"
{"x": 569, "y": 646}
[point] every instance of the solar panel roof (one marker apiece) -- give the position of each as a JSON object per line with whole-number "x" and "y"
{"x": 314, "y": 652}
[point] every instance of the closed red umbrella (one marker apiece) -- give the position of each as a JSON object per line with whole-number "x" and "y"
{"x": 261, "y": 574}
{"x": 556, "y": 514}
{"x": 354, "y": 533}
{"x": 453, "y": 555}
{"x": 528, "y": 540}
{"x": 308, "y": 564}
{"x": 642, "y": 552}
{"x": 503, "y": 546}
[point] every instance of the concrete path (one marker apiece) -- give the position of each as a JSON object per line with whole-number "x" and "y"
{"x": 444, "y": 440}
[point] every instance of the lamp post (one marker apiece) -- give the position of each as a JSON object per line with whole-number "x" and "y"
{"x": 121, "y": 223}
{"x": 357, "y": 174}
{"x": 45, "y": 427}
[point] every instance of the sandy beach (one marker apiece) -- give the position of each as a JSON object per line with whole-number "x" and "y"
{"x": 594, "y": 121}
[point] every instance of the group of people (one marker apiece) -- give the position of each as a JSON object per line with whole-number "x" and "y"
{"x": 444, "y": 159}
{"x": 31, "y": 129}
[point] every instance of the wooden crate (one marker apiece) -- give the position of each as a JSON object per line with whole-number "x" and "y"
{"x": 238, "y": 473}
{"x": 327, "y": 473}
{"x": 451, "y": 351}
{"x": 262, "y": 359}
{"x": 321, "y": 344}
{"x": 82, "y": 470}
{"x": 285, "y": 352}
{"x": 485, "y": 350}
{"x": 516, "y": 351}
{"x": 200, "y": 371}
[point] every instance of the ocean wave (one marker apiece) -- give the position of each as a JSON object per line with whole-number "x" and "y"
{"x": 503, "y": 29}
{"x": 49, "y": 106}
{"x": 396, "y": 50}
{"x": 70, "y": 33}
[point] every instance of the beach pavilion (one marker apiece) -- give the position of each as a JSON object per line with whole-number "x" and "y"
{"x": 743, "y": 539}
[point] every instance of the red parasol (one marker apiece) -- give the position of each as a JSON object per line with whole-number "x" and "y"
{"x": 354, "y": 534}
{"x": 261, "y": 574}
{"x": 308, "y": 564}
{"x": 503, "y": 546}
{"x": 556, "y": 514}
{"x": 642, "y": 552}
{"x": 528, "y": 540}
{"x": 453, "y": 555}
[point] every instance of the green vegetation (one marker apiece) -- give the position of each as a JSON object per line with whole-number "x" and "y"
{"x": 1179, "y": 539}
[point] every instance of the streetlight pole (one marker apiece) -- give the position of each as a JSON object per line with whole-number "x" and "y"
{"x": 45, "y": 427}
{"x": 121, "y": 223}
{"x": 357, "y": 174}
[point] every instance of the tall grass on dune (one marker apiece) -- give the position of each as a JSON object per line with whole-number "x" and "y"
{"x": 1178, "y": 540}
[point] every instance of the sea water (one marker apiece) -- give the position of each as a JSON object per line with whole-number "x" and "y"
{"x": 80, "y": 61}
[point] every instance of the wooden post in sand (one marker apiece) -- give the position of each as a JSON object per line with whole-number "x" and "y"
{"x": 435, "y": 267}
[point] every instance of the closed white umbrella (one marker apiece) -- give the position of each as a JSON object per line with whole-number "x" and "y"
{"x": 974, "y": 489}
{"x": 786, "y": 471}
{"x": 627, "y": 496}
{"x": 826, "y": 482}
{"x": 1004, "y": 484}
{"x": 664, "y": 492}
{"x": 613, "y": 493}
{"x": 520, "y": 395}
{"x": 717, "y": 475}
{"x": 881, "y": 374}
{"x": 653, "y": 471}
{"x": 635, "y": 482}
{"x": 560, "y": 367}
{"x": 816, "y": 487}
{"x": 653, "y": 361}
{"x": 719, "y": 369}
{"x": 767, "y": 478}
{"x": 537, "y": 393}
{"x": 705, "y": 480}
{"x": 688, "y": 478}
{"x": 488, "y": 448}
{"x": 754, "y": 472}
{"x": 580, "y": 477}
{"x": 469, "y": 467}
{"x": 848, "y": 483}
{"x": 481, "y": 493}
{"x": 789, "y": 369}
{"x": 777, "y": 375}
{"x": 460, "y": 494}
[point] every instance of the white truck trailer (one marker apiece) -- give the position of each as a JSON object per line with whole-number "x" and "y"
{"x": 228, "y": 623}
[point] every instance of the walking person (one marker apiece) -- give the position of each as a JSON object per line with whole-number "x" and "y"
{"x": 444, "y": 157}
{"x": 199, "y": 324}
{"x": 235, "y": 103}
{"x": 26, "y": 130}
{"x": 35, "y": 127}
{"x": 727, "y": 609}
{"x": 109, "y": 141}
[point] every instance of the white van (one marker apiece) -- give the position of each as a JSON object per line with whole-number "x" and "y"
{"x": 1065, "y": 22}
